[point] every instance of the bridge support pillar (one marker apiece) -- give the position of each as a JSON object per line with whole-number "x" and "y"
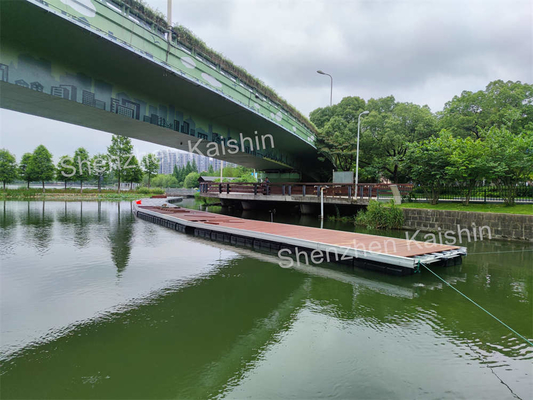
{"x": 309, "y": 208}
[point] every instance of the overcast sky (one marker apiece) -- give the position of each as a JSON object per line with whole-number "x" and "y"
{"x": 423, "y": 52}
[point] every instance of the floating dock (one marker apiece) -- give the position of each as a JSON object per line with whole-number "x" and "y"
{"x": 303, "y": 244}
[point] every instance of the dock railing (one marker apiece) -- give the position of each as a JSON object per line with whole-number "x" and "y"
{"x": 339, "y": 190}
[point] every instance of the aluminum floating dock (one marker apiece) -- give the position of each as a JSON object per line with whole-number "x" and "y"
{"x": 303, "y": 244}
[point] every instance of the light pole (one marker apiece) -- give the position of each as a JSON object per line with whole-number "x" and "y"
{"x": 331, "y": 91}
{"x": 169, "y": 13}
{"x": 357, "y": 155}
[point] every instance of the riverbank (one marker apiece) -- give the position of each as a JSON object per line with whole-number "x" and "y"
{"x": 489, "y": 224}
{"x": 75, "y": 195}
{"x": 524, "y": 209}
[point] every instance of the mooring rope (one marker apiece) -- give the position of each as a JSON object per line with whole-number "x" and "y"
{"x": 473, "y": 302}
{"x": 501, "y": 252}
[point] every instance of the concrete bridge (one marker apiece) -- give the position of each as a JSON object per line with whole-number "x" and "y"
{"x": 96, "y": 63}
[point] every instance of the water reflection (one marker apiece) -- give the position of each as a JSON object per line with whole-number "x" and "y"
{"x": 190, "y": 318}
{"x": 120, "y": 238}
{"x": 8, "y": 222}
{"x": 38, "y": 226}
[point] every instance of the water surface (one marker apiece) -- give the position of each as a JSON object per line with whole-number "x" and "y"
{"x": 98, "y": 304}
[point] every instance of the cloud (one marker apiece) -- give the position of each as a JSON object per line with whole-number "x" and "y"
{"x": 423, "y": 52}
{"x": 375, "y": 48}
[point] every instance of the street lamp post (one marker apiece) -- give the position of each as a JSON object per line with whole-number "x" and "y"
{"x": 331, "y": 91}
{"x": 169, "y": 12}
{"x": 357, "y": 155}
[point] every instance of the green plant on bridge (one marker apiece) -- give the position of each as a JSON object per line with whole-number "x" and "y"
{"x": 189, "y": 39}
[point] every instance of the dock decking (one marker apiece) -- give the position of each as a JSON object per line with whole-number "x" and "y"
{"x": 391, "y": 255}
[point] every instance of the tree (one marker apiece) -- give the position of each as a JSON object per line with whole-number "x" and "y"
{"x": 469, "y": 163}
{"x": 41, "y": 167}
{"x": 120, "y": 152}
{"x": 65, "y": 170}
{"x": 8, "y": 167}
{"x": 385, "y": 137}
{"x": 428, "y": 162}
{"x": 389, "y": 131}
{"x": 165, "y": 181}
{"x": 512, "y": 156}
{"x": 210, "y": 170}
{"x": 150, "y": 165}
{"x": 191, "y": 180}
{"x": 82, "y": 163}
{"x": 337, "y": 131}
{"x": 101, "y": 168}
{"x": 502, "y": 104}
{"x": 23, "y": 171}
{"x": 134, "y": 173}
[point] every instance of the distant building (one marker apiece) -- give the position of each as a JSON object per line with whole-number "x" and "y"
{"x": 168, "y": 159}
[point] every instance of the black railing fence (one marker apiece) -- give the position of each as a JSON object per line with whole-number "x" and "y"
{"x": 522, "y": 193}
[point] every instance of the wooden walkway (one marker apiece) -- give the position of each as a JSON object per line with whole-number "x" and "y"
{"x": 391, "y": 252}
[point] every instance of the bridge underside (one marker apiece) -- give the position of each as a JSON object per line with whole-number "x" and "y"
{"x": 20, "y": 99}
{"x": 53, "y": 68}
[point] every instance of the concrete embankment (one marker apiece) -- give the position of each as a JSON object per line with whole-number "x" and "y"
{"x": 500, "y": 226}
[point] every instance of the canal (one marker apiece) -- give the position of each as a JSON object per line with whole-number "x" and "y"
{"x": 98, "y": 304}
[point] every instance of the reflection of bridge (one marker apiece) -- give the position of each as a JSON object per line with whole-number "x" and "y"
{"x": 95, "y": 64}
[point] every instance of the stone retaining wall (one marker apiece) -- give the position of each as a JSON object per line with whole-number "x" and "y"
{"x": 502, "y": 226}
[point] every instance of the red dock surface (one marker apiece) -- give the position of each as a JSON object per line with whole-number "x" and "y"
{"x": 359, "y": 241}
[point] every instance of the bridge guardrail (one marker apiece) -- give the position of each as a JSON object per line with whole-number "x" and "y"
{"x": 365, "y": 190}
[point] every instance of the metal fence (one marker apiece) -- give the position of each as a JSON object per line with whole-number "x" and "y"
{"x": 522, "y": 193}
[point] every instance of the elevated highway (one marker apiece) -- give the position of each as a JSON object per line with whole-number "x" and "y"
{"x": 95, "y": 63}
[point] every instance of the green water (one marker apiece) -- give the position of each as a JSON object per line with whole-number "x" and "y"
{"x": 98, "y": 304}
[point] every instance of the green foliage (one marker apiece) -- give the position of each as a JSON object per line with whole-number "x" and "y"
{"x": 146, "y": 190}
{"x": 40, "y": 166}
{"x": 165, "y": 181}
{"x": 389, "y": 131}
{"x": 190, "y": 40}
{"x": 385, "y": 137}
{"x": 191, "y": 180}
{"x": 182, "y": 172}
{"x": 186, "y": 37}
{"x": 150, "y": 165}
{"x": 511, "y": 158}
{"x": 141, "y": 9}
{"x": 245, "y": 178}
{"x": 23, "y": 171}
{"x": 470, "y": 162}
{"x": 206, "y": 200}
{"x": 8, "y": 167}
{"x": 134, "y": 173}
{"x": 119, "y": 152}
{"x": 65, "y": 170}
{"x": 101, "y": 168}
{"x": 337, "y": 131}
{"x": 82, "y": 163}
{"x": 502, "y": 104}
{"x": 428, "y": 163}
{"x": 380, "y": 216}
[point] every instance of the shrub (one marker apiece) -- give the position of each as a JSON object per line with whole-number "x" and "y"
{"x": 145, "y": 190}
{"x": 380, "y": 216}
{"x": 191, "y": 180}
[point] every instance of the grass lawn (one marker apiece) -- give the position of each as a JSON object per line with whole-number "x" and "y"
{"x": 492, "y": 208}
